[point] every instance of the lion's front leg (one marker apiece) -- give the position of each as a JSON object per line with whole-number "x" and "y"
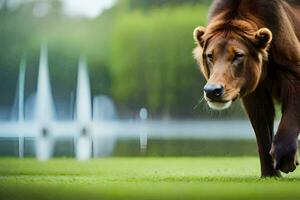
{"x": 260, "y": 109}
{"x": 285, "y": 144}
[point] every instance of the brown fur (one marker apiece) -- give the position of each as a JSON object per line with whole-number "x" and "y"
{"x": 267, "y": 32}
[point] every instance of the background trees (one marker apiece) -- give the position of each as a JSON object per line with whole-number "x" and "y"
{"x": 138, "y": 52}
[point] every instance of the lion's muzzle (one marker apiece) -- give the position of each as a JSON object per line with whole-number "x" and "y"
{"x": 213, "y": 94}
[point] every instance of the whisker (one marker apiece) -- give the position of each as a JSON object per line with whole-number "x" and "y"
{"x": 198, "y": 104}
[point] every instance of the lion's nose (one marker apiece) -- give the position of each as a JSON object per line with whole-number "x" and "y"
{"x": 214, "y": 91}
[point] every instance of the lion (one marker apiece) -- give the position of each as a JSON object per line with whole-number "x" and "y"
{"x": 250, "y": 50}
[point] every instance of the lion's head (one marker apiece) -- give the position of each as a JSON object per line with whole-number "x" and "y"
{"x": 231, "y": 57}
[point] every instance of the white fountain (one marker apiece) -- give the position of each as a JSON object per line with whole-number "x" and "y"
{"x": 21, "y": 89}
{"x": 104, "y": 110}
{"x": 44, "y": 110}
{"x": 17, "y": 113}
{"x": 83, "y": 114}
{"x": 95, "y": 132}
{"x": 143, "y": 132}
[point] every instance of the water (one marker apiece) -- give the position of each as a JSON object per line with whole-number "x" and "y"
{"x": 104, "y": 111}
{"x": 84, "y": 145}
{"x": 17, "y": 113}
{"x": 29, "y": 113}
{"x": 143, "y": 132}
{"x": 21, "y": 89}
{"x": 44, "y": 112}
{"x": 83, "y": 113}
{"x": 44, "y": 145}
{"x": 44, "y": 109}
{"x": 83, "y": 95}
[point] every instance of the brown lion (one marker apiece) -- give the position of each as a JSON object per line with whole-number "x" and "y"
{"x": 251, "y": 50}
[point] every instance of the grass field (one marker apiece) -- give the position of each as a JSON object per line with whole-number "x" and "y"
{"x": 142, "y": 178}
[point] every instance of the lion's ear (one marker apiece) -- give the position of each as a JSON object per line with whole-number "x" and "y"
{"x": 198, "y": 33}
{"x": 263, "y": 38}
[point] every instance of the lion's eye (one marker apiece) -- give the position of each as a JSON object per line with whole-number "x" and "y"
{"x": 210, "y": 57}
{"x": 238, "y": 56}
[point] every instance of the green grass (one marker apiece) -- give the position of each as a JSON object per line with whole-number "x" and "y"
{"x": 142, "y": 178}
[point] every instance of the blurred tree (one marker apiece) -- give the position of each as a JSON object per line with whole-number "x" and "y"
{"x": 152, "y": 61}
{"x": 139, "y": 58}
{"x": 28, "y": 24}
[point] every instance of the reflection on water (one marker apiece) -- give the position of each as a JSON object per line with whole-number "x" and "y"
{"x": 129, "y": 147}
{"x": 96, "y": 128}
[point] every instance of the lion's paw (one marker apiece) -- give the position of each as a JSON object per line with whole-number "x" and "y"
{"x": 285, "y": 157}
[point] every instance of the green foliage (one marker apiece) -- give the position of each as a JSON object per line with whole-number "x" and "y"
{"x": 141, "y": 56}
{"x": 151, "y": 59}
